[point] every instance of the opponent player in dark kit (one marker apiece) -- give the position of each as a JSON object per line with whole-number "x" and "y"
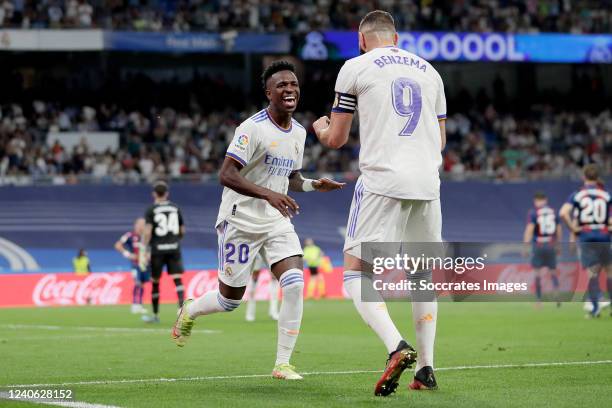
{"x": 163, "y": 232}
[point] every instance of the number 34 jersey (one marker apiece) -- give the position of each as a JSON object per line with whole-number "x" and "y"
{"x": 166, "y": 220}
{"x": 400, "y": 99}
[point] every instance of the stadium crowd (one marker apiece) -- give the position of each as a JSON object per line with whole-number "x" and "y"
{"x": 172, "y": 143}
{"x": 580, "y": 16}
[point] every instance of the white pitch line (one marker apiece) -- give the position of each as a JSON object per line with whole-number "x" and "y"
{"x": 104, "y": 329}
{"x": 314, "y": 373}
{"x": 65, "y": 336}
{"x": 57, "y": 403}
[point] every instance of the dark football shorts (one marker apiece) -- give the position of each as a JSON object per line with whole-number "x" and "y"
{"x": 171, "y": 260}
{"x": 594, "y": 253}
{"x": 140, "y": 275}
{"x": 544, "y": 257}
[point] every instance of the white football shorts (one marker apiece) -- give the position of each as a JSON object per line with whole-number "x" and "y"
{"x": 377, "y": 218}
{"x": 238, "y": 250}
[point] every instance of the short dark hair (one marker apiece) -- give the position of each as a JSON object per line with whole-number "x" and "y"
{"x": 539, "y": 195}
{"x": 591, "y": 172}
{"x": 160, "y": 188}
{"x": 275, "y": 67}
{"x": 377, "y": 20}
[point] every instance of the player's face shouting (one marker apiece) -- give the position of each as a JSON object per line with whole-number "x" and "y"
{"x": 284, "y": 91}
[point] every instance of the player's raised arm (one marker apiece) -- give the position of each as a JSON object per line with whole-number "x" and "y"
{"x": 334, "y": 132}
{"x": 442, "y": 123}
{"x": 299, "y": 184}
{"x": 230, "y": 177}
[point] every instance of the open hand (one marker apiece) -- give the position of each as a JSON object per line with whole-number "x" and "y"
{"x": 283, "y": 203}
{"x": 324, "y": 185}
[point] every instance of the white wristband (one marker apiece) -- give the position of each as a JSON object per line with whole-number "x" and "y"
{"x": 127, "y": 254}
{"x": 308, "y": 185}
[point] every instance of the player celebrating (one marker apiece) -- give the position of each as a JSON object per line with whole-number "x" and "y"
{"x": 163, "y": 232}
{"x": 593, "y": 226}
{"x": 543, "y": 233}
{"x": 401, "y": 104}
{"x": 129, "y": 246}
{"x": 262, "y": 162}
{"x": 258, "y": 265}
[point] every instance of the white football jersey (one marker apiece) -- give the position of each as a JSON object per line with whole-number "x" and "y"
{"x": 400, "y": 98}
{"x": 269, "y": 155}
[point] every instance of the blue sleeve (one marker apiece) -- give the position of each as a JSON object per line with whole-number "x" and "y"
{"x": 570, "y": 199}
{"x": 531, "y": 217}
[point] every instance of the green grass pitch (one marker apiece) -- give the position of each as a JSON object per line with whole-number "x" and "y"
{"x": 335, "y": 346}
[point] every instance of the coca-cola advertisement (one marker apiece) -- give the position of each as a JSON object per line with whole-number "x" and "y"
{"x": 98, "y": 288}
{"x": 113, "y": 288}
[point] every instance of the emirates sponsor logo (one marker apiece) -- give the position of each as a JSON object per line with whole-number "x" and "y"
{"x": 201, "y": 283}
{"x": 96, "y": 288}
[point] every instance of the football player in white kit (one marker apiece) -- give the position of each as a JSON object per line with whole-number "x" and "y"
{"x": 262, "y": 162}
{"x": 251, "y": 303}
{"x": 401, "y": 104}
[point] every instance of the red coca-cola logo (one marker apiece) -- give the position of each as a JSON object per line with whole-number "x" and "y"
{"x": 201, "y": 283}
{"x": 513, "y": 274}
{"x": 96, "y": 288}
{"x": 567, "y": 273}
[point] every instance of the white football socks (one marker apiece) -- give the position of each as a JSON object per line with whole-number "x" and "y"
{"x": 424, "y": 317}
{"x": 374, "y": 311}
{"x": 273, "y": 310}
{"x": 290, "y": 317}
{"x": 211, "y": 302}
{"x": 251, "y": 302}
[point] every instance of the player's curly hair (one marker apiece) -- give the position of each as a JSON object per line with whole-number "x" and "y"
{"x": 275, "y": 67}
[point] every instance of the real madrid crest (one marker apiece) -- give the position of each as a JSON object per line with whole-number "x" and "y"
{"x": 228, "y": 270}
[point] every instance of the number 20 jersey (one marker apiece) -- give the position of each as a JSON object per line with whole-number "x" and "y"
{"x": 591, "y": 207}
{"x": 400, "y": 99}
{"x": 166, "y": 220}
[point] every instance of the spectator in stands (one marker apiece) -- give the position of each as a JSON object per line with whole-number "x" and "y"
{"x": 180, "y": 143}
{"x": 580, "y": 16}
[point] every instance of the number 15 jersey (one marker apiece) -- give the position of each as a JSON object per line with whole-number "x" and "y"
{"x": 400, "y": 99}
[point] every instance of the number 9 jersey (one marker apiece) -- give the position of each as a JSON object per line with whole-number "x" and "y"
{"x": 400, "y": 99}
